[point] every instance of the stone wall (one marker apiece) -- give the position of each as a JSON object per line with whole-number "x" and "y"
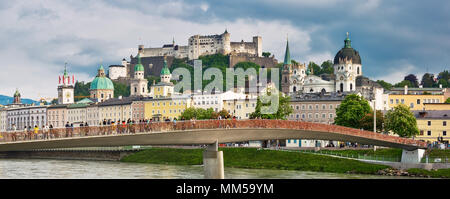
{"x": 264, "y": 62}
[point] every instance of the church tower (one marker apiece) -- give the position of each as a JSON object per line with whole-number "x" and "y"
{"x": 138, "y": 85}
{"x": 17, "y": 97}
{"x": 347, "y": 66}
{"x": 66, "y": 88}
{"x": 286, "y": 71}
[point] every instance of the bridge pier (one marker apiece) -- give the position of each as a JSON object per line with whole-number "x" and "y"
{"x": 412, "y": 156}
{"x": 213, "y": 162}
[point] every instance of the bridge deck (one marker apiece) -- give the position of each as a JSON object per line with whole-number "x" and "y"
{"x": 197, "y": 132}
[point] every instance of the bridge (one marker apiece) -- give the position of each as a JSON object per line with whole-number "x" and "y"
{"x": 209, "y": 132}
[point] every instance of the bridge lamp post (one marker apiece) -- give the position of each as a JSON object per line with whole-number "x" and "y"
{"x": 374, "y": 121}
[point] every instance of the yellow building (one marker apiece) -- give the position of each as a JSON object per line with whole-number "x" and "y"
{"x": 116, "y": 109}
{"x": 414, "y": 102}
{"x": 433, "y": 124}
{"x": 436, "y": 106}
{"x": 240, "y": 108}
{"x": 160, "y": 109}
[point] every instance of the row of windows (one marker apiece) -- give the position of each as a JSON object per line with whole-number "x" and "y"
{"x": 397, "y": 101}
{"x": 310, "y": 107}
{"x": 444, "y": 133}
{"x": 310, "y": 116}
{"x": 444, "y": 123}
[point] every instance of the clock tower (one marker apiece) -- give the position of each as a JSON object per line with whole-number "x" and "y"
{"x": 66, "y": 88}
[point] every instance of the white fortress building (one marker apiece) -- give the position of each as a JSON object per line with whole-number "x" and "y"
{"x": 199, "y": 45}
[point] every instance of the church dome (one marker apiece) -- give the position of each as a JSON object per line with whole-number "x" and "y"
{"x": 101, "y": 82}
{"x": 347, "y": 53}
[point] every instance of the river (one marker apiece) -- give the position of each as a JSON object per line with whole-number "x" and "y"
{"x": 79, "y": 169}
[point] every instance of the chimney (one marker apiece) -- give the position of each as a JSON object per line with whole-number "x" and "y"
{"x": 406, "y": 90}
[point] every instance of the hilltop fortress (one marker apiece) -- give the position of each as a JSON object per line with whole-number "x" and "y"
{"x": 198, "y": 45}
{"x": 205, "y": 45}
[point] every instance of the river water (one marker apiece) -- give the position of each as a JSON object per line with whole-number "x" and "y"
{"x": 79, "y": 169}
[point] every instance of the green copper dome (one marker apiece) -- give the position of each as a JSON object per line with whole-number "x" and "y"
{"x": 165, "y": 70}
{"x": 139, "y": 66}
{"x": 101, "y": 82}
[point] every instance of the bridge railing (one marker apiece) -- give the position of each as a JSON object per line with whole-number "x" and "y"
{"x": 115, "y": 129}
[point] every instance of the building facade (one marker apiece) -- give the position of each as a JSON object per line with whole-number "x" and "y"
{"x": 57, "y": 115}
{"x": 433, "y": 124}
{"x": 199, "y": 45}
{"x": 160, "y": 109}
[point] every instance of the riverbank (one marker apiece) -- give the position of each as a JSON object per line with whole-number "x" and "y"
{"x": 251, "y": 158}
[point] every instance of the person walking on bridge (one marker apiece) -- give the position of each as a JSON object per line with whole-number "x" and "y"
{"x": 36, "y": 132}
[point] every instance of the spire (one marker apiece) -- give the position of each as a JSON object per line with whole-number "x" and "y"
{"x": 139, "y": 66}
{"x": 65, "y": 69}
{"x": 165, "y": 70}
{"x": 348, "y": 42}
{"x": 287, "y": 55}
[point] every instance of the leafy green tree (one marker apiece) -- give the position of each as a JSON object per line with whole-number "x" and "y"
{"x": 326, "y": 68}
{"x": 367, "y": 121}
{"x": 54, "y": 101}
{"x": 81, "y": 90}
{"x": 284, "y": 109}
{"x": 351, "y": 111}
{"x": 316, "y": 68}
{"x": 199, "y": 114}
{"x": 224, "y": 114}
{"x": 403, "y": 83}
{"x": 401, "y": 121}
{"x": 121, "y": 89}
{"x": 413, "y": 79}
{"x": 385, "y": 85}
{"x": 428, "y": 80}
{"x": 447, "y": 101}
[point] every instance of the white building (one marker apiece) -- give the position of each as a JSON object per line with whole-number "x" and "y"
{"x": 3, "y": 119}
{"x": 215, "y": 101}
{"x": 199, "y": 45}
{"x": 28, "y": 116}
{"x": 118, "y": 71}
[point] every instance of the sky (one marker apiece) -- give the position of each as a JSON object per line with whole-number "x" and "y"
{"x": 394, "y": 38}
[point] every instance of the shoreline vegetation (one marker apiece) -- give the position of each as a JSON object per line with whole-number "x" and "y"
{"x": 253, "y": 158}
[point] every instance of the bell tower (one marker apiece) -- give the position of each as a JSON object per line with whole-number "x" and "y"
{"x": 66, "y": 88}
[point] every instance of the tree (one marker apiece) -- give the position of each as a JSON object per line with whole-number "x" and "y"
{"x": 367, "y": 121}
{"x": 121, "y": 90}
{"x": 284, "y": 109}
{"x": 315, "y": 68}
{"x": 413, "y": 79}
{"x": 224, "y": 114}
{"x": 385, "y": 85}
{"x": 266, "y": 54}
{"x": 401, "y": 121}
{"x": 428, "y": 80}
{"x": 447, "y": 101}
{"x": 351, "y": 111}
{"x": 403, "y": 83}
